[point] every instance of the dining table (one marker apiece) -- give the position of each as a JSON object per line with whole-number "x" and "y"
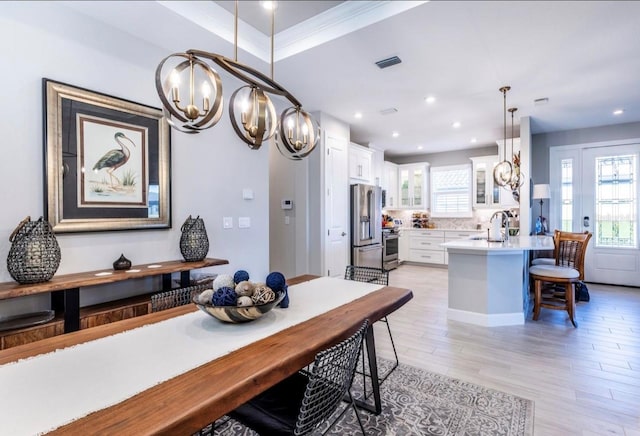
{"x": 113, "y": 357}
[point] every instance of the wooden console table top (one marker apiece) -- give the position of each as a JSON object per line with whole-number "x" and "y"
{"x": 77, "y": 280}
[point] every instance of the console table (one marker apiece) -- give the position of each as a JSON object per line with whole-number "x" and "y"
{"x": 65, "y": 289}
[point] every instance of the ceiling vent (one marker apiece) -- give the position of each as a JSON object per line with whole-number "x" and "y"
{"x": 384, "y": 63}
{"x": 388, "y": 111}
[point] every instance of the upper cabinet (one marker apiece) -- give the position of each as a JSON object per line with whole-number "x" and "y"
{"x": 360, "y": 164}
{"x": 390, "y": 184}
{"x": 412, "y": 181}
{"x": 486, "y": 194}
{"x": 377, "y": 166}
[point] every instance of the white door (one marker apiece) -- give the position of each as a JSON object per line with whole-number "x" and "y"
{"x": 337, "y": 206}
{"x": 596, "y": 189}
{"x": 610, "y": 211}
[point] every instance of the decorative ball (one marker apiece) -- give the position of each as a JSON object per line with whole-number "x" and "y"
{"x": 223, "y": 281}
{"x": 225, "y": 296}
{"x": 240, "y": 276}
{"x": 276, "y": 281}
{"x": 245, "y": 288}
{"x": 205, "y": 296}
{"x": 263, "y": 294}
{"x": 245, "y": 301}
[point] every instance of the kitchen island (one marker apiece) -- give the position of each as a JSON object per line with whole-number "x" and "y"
{"x": 489, "y": 281}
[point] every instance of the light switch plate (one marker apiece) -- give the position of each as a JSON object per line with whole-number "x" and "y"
{"x": 244, "y": 222}
{"x": 227, "y": 222}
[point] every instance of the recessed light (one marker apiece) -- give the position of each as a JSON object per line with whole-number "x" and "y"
{"x": 358, "y": 115}
{"x": 456, "y": 125}
{"x": 269, "y": 5}
{"x": 618, "y": 111}
{"x": 430, "y": 99}
{"x": 474, "y": 140}
{"x": 420, "y": 147}
{"x": 395, "y": 134}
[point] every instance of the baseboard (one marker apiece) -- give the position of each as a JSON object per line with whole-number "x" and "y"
{"x": 486, "y": 320}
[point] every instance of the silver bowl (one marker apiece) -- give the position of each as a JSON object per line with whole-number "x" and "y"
{"x": 238, "y": 314}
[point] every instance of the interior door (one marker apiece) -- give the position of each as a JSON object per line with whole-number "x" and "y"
{"x": 610, "y": 210}
{"x": 337, "y": 206}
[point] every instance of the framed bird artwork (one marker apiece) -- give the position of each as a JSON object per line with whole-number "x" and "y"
{"x": 107, "y": 162}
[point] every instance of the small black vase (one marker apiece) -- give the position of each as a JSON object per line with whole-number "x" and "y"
{"x": 122, "y": 263}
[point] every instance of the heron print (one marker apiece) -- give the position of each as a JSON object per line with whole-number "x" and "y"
{"x": 113, "y": 167}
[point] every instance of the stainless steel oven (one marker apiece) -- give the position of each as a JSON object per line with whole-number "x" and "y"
{"x": 389, "y": 249}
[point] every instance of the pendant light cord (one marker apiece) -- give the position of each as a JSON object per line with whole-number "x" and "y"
{"x": 235, "y": 34}
{"x": 273, "y": 19}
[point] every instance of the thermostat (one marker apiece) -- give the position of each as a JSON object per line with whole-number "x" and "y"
{"x": 287, "y": 203}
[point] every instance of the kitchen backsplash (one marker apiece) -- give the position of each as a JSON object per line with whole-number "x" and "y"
{"x": 480, "y": 218}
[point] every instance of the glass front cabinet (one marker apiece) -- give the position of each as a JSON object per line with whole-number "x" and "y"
{"x": 485, "y": 193}
{"x": 412, "y": 181}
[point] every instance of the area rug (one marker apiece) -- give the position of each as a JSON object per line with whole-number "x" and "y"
{"x": 418, "y": 402}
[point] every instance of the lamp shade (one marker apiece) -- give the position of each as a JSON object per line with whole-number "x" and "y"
{"x": 541, "y": 191}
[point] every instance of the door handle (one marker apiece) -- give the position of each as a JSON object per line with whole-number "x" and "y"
{"x": 585, "y": 221}
{"x": 344, "y": 234}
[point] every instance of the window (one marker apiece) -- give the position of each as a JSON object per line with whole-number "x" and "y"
{"x": 451, "y": 191}
{"x": 566, "y": 192}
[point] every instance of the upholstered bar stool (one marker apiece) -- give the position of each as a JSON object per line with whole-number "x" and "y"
{"x": 570, "y": 249}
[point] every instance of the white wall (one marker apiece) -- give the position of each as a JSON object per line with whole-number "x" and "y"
{"x": 209, "y": 170}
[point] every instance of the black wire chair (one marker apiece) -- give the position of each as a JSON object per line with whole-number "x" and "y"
{"x": 175, "y": 297}
{"x": 380, "y": 277}
{"x": 302, "y": 402}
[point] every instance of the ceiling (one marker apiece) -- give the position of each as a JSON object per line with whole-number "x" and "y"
{"x": 581, "y": 56}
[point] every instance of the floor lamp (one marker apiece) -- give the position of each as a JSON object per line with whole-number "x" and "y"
{"x": 540, "y": 192}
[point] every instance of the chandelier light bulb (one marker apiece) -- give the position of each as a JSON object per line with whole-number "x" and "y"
{"x": 175, "y": 79}
{"x": 206, "y": 89}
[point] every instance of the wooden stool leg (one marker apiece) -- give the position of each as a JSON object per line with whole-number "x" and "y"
{"x": 537, "y": 299}
{"x": 571, "y": 303}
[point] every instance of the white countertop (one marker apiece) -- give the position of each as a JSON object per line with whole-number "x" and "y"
{"x": 514, "y": 244}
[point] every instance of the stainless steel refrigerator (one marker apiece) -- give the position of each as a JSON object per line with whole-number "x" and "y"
{"x": 366, "y": 225}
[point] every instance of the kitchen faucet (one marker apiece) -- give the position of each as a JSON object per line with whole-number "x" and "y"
{"x": 504, "y": 215}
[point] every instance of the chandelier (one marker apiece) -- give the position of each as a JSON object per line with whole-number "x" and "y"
{"x": 252, "y": 113}
{"x": 516, "y": 180}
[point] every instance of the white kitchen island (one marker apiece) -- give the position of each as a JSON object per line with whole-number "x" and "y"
{"x": 488, "y": 281}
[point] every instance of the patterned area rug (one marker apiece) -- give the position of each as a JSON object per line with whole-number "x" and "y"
{"x": 418, "y": 402}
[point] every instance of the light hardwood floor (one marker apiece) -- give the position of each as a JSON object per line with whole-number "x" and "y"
{"x": 584, "y": 381}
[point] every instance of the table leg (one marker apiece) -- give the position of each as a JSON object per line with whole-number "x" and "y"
{"x": 68, "y": 301}
{"x": 376, "y": 407}
{"x": 166, "y": 282}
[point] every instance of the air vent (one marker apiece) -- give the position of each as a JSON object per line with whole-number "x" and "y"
{"x": 388, "y": 111}
{"x": 384, "y": 63}
{"x": 540, "y": 101}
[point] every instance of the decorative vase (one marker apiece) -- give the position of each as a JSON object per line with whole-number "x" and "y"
{"x": 122, "y": 263}
{"x": 194, "y": 243}
{"x": 34, "y": 256}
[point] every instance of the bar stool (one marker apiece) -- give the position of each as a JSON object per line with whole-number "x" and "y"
{"x": 570, "y": 249}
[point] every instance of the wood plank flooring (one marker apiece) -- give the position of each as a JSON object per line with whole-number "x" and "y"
{"x": 584, "y": 381}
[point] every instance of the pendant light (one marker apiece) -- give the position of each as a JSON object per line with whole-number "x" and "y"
{"x": 516, "y": 177}
{"x": 252, "y": 113}
{"x": 502, "y": 172}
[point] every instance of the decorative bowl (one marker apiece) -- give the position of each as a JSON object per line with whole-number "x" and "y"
{"x": 238, "y": 314}
{"x": 513, "y": 231}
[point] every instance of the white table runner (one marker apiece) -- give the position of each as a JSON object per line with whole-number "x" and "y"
{"x": 42, "y": 393}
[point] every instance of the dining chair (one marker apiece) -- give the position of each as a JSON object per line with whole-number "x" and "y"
{"x": 570, "y": 251}
{"x": 380, "y": 277}
{"x": 174, "y": 297}
{"x": 302, "y": 402}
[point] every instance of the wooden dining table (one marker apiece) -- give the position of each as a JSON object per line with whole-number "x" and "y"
{"x": 190, "y": 401}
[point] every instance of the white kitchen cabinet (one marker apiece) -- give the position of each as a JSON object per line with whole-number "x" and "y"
{"x": 424, "y": 246}
{"x": 485, "y": 192}
{"x": 390, "y": 184}
{"x": 412, "y": 185}
{"x": 377, "y": 166}
{"x": 360, "y": 159}
{"x": 403, "y": 246}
